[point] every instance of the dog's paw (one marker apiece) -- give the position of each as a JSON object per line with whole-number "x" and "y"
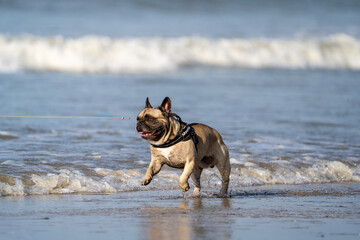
{"x": 185, "y": 188}
{"x": 145, "y": 182}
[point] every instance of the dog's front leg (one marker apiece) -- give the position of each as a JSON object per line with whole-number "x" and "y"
{"x": 188, "y": 169}
{"x": 153, "y": 169}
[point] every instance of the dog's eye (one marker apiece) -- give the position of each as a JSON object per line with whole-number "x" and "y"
{"x": 149, "y": 119}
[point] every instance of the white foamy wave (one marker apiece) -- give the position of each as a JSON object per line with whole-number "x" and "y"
{"x": 96, "y": 54}
{"x": 68, "y": 182}
{"x": 285, "y": 173}
{"x": 243, "y": 174}
{"x": 16, "y": 189}
{"x": 74, "y": 181}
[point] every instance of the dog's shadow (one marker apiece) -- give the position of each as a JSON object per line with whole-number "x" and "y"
{"x": 242, "y": 194}
{"x": 255, "y": 194}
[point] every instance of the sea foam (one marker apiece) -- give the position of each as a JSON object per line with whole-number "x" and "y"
{"x": 243, "y": 174}
{"x": 97, "y": 54}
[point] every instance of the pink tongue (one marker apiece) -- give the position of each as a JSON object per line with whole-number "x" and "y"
{"x": 146, "y": 133}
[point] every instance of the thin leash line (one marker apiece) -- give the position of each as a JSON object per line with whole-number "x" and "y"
{"x": 66, "y": 117}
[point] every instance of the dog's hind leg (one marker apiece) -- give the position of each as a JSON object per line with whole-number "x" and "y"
{"x": 195, "y": 176}
{"x": 223, "y": 165}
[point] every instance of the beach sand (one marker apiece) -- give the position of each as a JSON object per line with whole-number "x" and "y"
{"x": 324, "y": 211}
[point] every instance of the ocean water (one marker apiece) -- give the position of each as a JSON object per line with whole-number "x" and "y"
{"x": 278, "y": 79}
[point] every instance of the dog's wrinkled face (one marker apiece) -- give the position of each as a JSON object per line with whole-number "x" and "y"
{"x": 153, "y": 123}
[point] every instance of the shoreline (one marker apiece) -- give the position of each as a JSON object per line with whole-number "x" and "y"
{"x": 309, "y": 211}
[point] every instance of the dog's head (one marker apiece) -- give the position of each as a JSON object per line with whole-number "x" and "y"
{"x": 155, "y": 124}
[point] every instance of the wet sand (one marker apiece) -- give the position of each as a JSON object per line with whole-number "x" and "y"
{"x": 326, "y": 211}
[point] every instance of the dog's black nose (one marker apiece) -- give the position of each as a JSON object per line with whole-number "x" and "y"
{"x": 139, "y": 126}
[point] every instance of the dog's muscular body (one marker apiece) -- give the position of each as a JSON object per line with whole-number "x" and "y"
{"x": 158, "y": 126}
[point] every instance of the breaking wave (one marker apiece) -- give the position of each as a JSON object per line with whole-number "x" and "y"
{"x": 97, "y": 54}
{"x": 101, "y": 180}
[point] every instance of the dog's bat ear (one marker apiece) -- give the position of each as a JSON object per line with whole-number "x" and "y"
{"x": 166, "y": 105}
{"x": 147, "y": 103}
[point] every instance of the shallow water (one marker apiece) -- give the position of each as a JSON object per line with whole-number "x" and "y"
{"x": 281, "y": 127}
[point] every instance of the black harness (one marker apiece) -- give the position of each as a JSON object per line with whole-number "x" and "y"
{"x": 185, "y": 134}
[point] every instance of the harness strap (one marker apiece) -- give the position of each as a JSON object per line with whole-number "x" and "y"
{"x": 186, "y": 134}
{"x": 193, "y": 135}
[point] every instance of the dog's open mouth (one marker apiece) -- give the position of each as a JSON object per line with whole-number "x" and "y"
{"x": 154, "y": 134}
{"x": 146, "y": 134}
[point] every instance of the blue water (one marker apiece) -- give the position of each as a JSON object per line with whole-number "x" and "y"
{"x": 246, "y": 18}
{"x": 295, "y": 121}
